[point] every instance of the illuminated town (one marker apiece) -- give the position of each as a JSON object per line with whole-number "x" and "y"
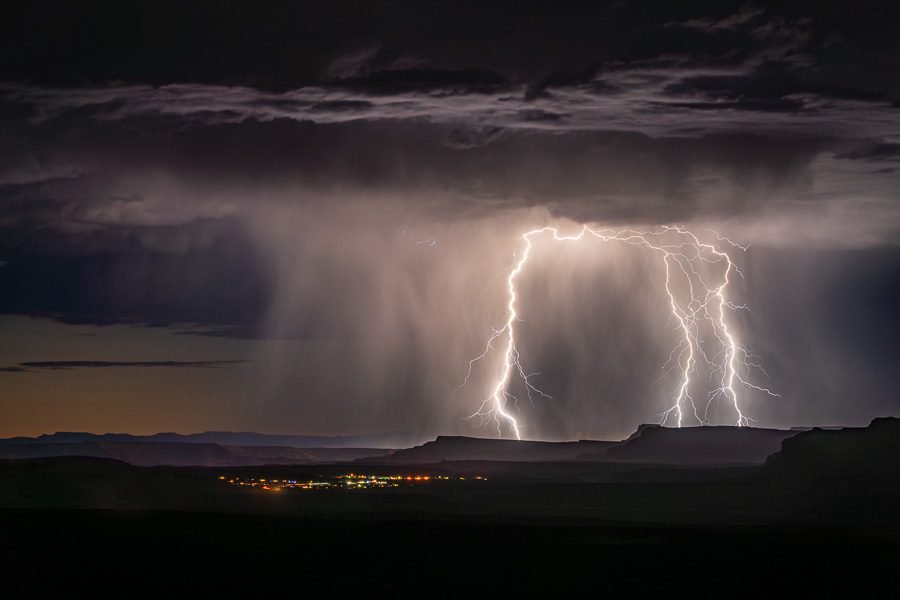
{"x": 349, "y": 481}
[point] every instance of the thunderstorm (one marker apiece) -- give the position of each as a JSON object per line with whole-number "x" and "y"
{"x": 702, "y": 305}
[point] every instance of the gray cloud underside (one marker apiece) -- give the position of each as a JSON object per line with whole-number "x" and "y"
{"x": 745, "y": 112}
{"x": 166, "y": 165}
{"x": 652, "y": 101}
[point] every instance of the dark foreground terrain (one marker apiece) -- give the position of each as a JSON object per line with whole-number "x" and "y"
{"x": 819, "y": 517}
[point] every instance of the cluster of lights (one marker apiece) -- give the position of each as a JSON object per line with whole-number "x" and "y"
{"x": 349, "y": 481}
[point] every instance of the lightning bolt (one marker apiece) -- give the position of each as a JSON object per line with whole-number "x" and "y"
{"x": 705, "y": 306}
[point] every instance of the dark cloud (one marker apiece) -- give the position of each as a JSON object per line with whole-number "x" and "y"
{"x": 341, "y": 105}
{"x": 770, "y": 81}
{"x": 584, "y": 76}
{"x": 116, "y": 274}
{"x": 874, "y": 152}
{"x": 290, "y": 46}
{"x": 463, "y": 81}
{"x": 746, "y": 15}
{"x": 763, "y": 105}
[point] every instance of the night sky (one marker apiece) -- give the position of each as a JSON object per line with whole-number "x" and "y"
{"x": 296, "y": 217}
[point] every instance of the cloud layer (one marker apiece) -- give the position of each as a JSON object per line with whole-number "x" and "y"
{"x": 355, "y": 196}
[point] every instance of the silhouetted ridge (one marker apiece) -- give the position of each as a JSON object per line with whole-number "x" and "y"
{"x": 699, "y": 445}
{"x": 452, "y": 448}
{"x": 864, "y": 455}
{"x": 185, "y": 454}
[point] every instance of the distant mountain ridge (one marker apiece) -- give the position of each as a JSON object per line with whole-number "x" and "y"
{"x": 456, "y": 448}
{"x": 709, "y": 446}
{"x": 148, "y": 454}
{"x": 651, "y": 444}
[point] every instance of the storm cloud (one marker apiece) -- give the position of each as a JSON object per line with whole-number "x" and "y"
{"x": 344, "y": 205}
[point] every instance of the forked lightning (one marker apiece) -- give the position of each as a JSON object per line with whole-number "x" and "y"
{"x": 698, "y": 305}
